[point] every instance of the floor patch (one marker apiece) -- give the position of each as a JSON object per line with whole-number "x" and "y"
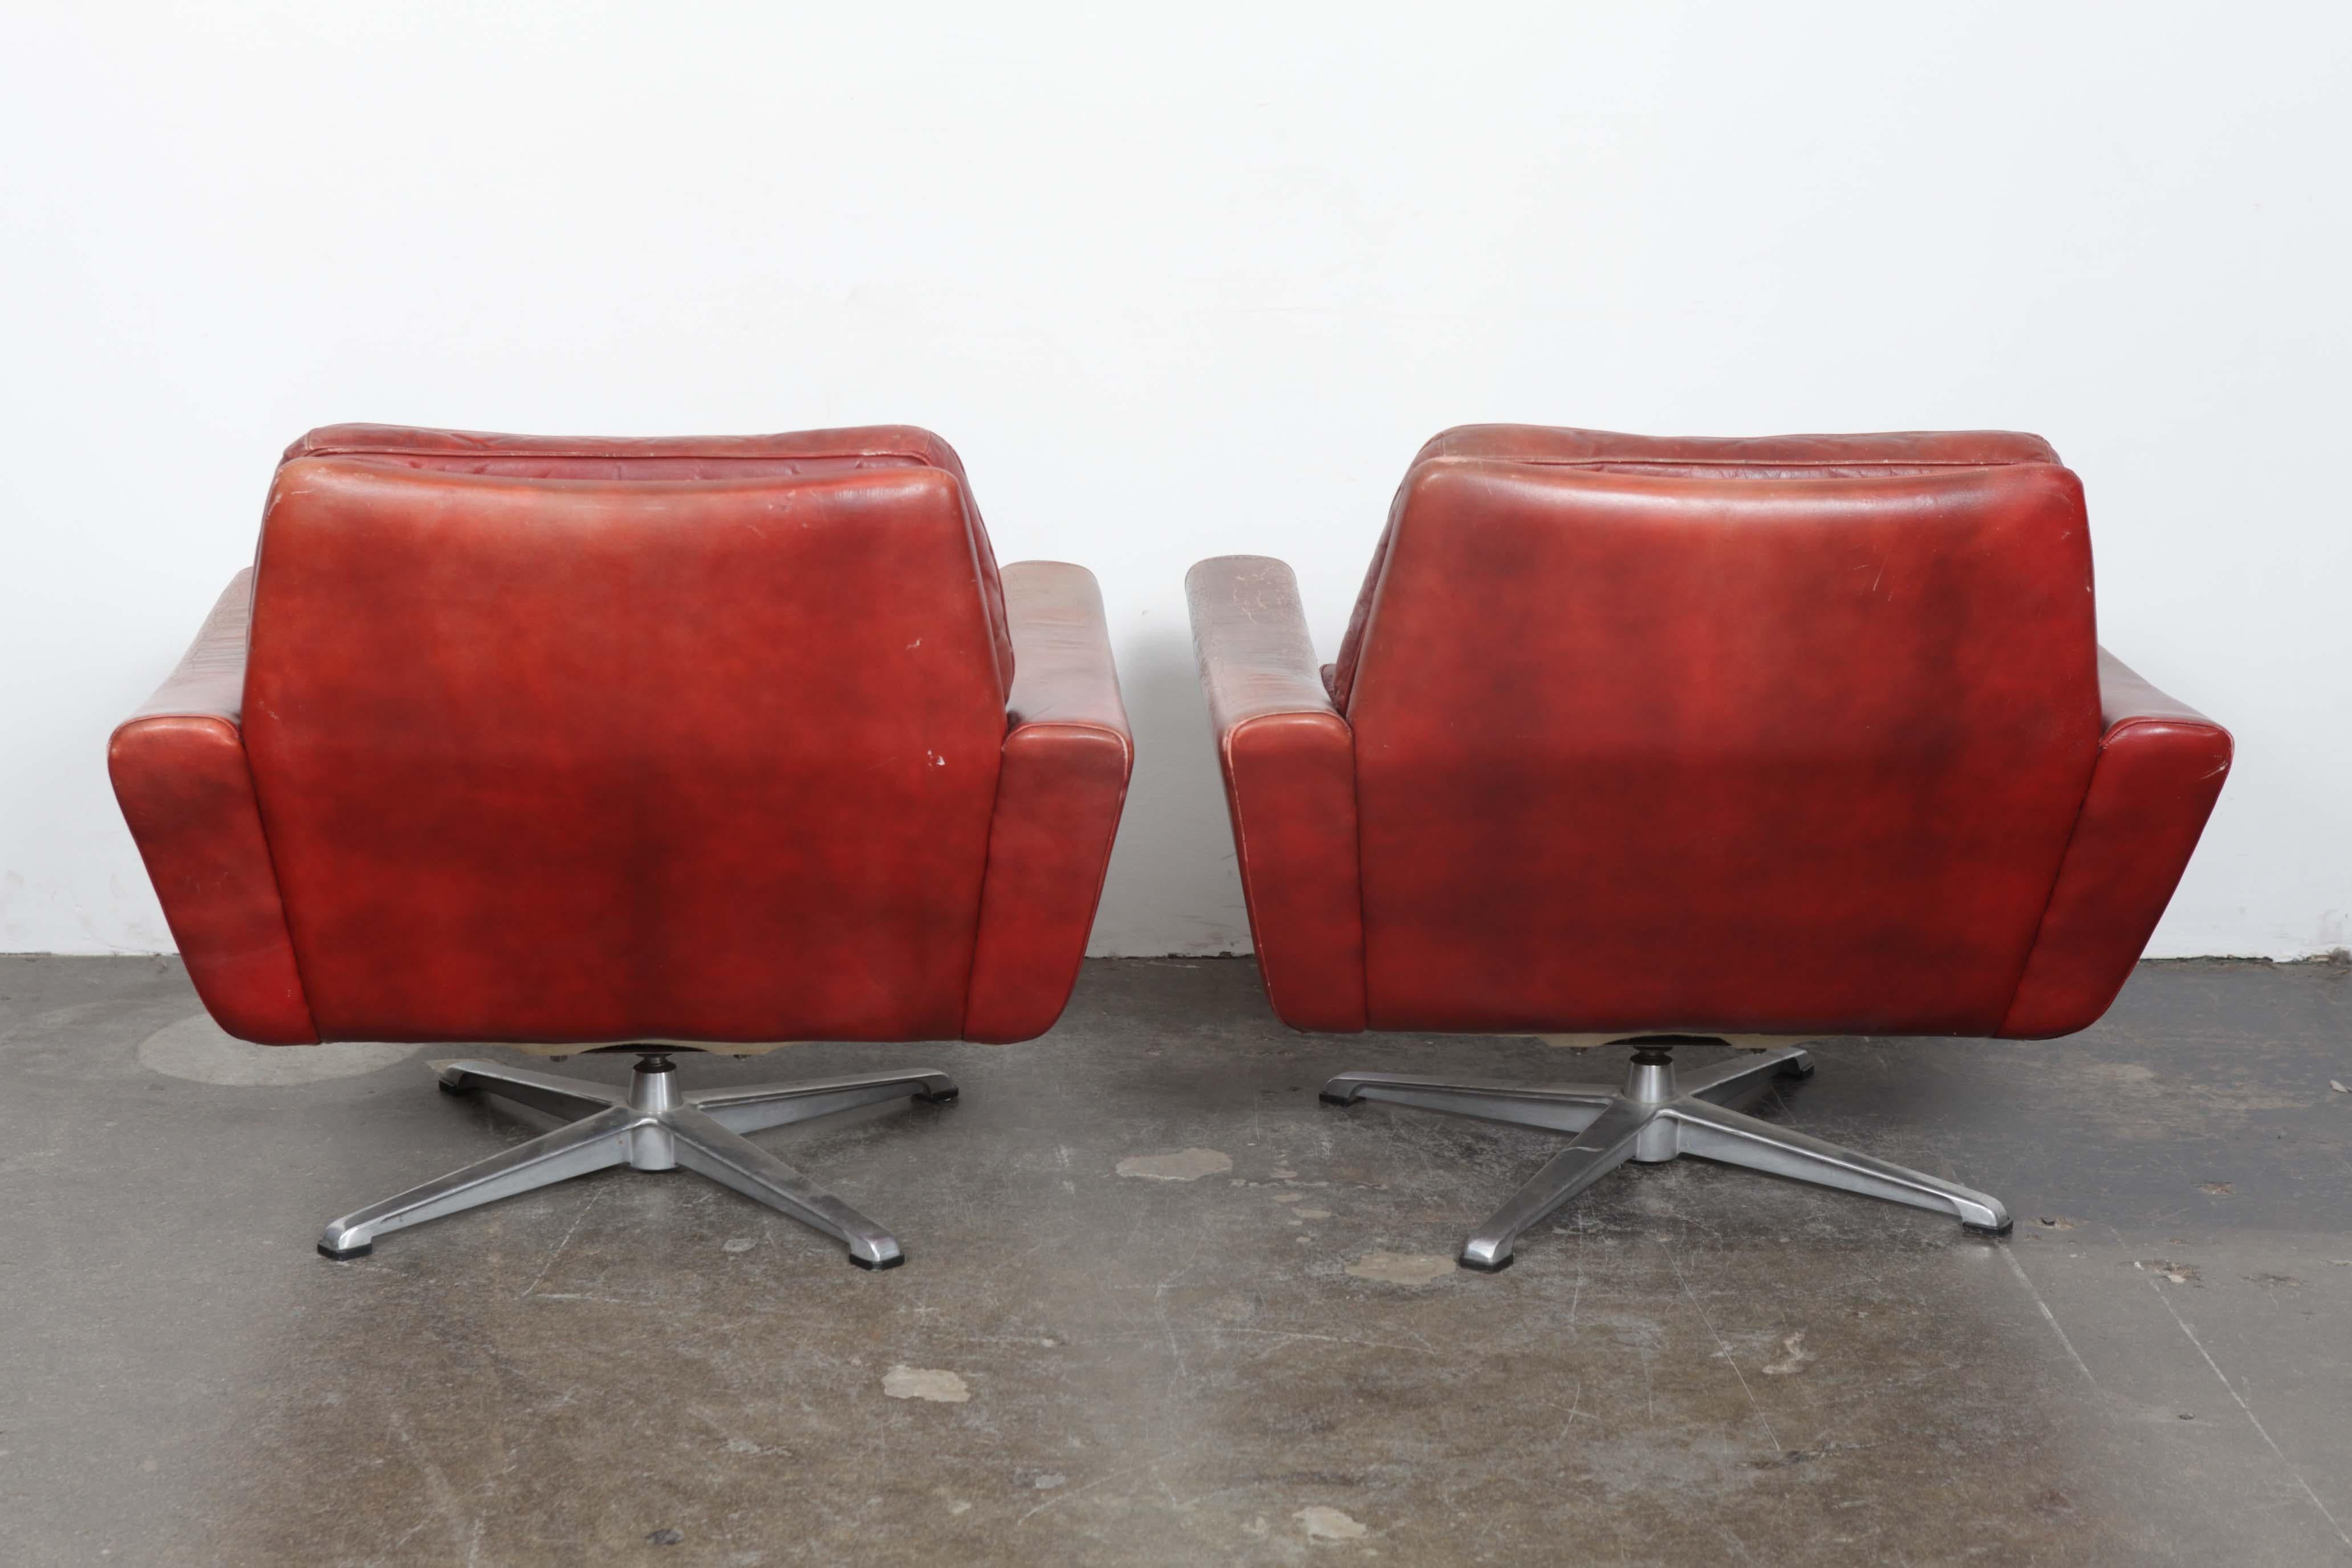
{"x": 1329, "y": 1523}
{"x": 1185, "y": 1165}
{"x": 1792, "y": 1357}
{"x": 1401, "y": 1267}
{"x": 904, "y": 1382}
{"x": 201, "y": 1051}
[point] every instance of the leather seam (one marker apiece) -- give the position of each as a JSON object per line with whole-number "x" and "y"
{"x": 2187, "y": 723}
{"x": 1102, "y": 878}
{"x": 252, "y": 779}
{"x": 980, "y": 894}
{"x": 1939, "y": 464}
{"x": 1756, "y": 463}
{"x": 285, "y": 921}
{"x": 1241, "y": 840}
{"x": 915, "y": 459}
{"x": 2057, "y": 877}
{"x": 980, "y": 904}
{"x": 1075, "y": 726}
{"x": 995, "y": 610}
{"x": 1363, "y": 932}
{"x": 1241, "y": 845}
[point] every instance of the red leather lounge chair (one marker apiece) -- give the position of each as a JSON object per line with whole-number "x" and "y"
{"x": 652, "y": 744}
{"x": 1658, "y": 740}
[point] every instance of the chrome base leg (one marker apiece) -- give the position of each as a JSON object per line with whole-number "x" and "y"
{"x": 546, "y": 1091}
{"x": 767, "y": 1105}
{"x": 651, "y": 1127}
{"x": 1713, "y": 1134}
{"x": 1562, "y": 1108}
{"x": 1659, "y": 1116}
{"x": 1599, "y": 1149}
{"x": 734, "y": 1161}
{"x": 601, "y": 1141}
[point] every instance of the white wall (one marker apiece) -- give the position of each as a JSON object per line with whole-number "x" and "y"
{"x": 1179, "y": 285}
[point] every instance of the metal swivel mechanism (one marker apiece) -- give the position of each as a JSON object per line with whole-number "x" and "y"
{"x": 652, "y": 1127}
{"x": 1657, "y": 1116}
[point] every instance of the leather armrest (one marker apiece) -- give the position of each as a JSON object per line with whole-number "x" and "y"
{"x": 1062, "y": 668}
{"x": 2127, "y": 698}
{"x": 1289, "y": 764}
{"x": 2161, "y": 765}
{"x": 209, "y": 680}
{"x": 1250, "y": 635}
{"x": 181, "y": 775}
{"x": 1068, "y": 754}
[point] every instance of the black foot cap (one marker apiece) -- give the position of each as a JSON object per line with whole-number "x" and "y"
{"x": 349, "y": 1252}
{"x": 944, "y": 1097}
{"x": 1336, "y": 1099}
{"x": 877, "y": 1267}
{"x": 1798, "y": 1070}
{"x": 1994, "y": 1231}
{"x": 446, "y": 1087}
{"x": 1487, "y": 1267}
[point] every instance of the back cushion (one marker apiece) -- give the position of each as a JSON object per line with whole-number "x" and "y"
{"x": 552, "y": 759}
{"x": 793, "y": 454}
{"x": 1768, "y": 755}
{"x": 1879, "y": 455}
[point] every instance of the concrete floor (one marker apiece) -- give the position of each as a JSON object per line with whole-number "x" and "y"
{"x": 1694, "y": 1364}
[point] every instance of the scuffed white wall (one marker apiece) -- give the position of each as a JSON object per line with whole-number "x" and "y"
{"x": 1178, "y": 282}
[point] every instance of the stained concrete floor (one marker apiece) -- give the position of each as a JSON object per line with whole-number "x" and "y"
{"x": 1694, "y": 1364}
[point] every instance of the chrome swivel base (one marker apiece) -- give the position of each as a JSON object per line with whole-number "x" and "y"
{"x": 652, "y": 1128}
{"x": 1657, "y": 1117}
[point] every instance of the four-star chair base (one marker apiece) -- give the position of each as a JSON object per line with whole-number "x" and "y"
{"x": 1656, "y": 1117}
{"x": 652, "y": 1127}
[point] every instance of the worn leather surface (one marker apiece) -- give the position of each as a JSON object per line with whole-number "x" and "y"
{"x": 1883, "y": 456}
{"x": 1289, "y": 767}
{"x": 2161, "y": 767}
{"x": 1743, "y": 456}
{"x": 180, "y": 775}
{"x": 697, "y": 748}
{"x": 1068, "y": 758}
{"x": 796, "y": 454}
{"x": 1784, "y": 736}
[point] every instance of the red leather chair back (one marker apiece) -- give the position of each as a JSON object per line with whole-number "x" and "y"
{"x": 679, "y": 740}
{"x": 1774, "y": 736}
